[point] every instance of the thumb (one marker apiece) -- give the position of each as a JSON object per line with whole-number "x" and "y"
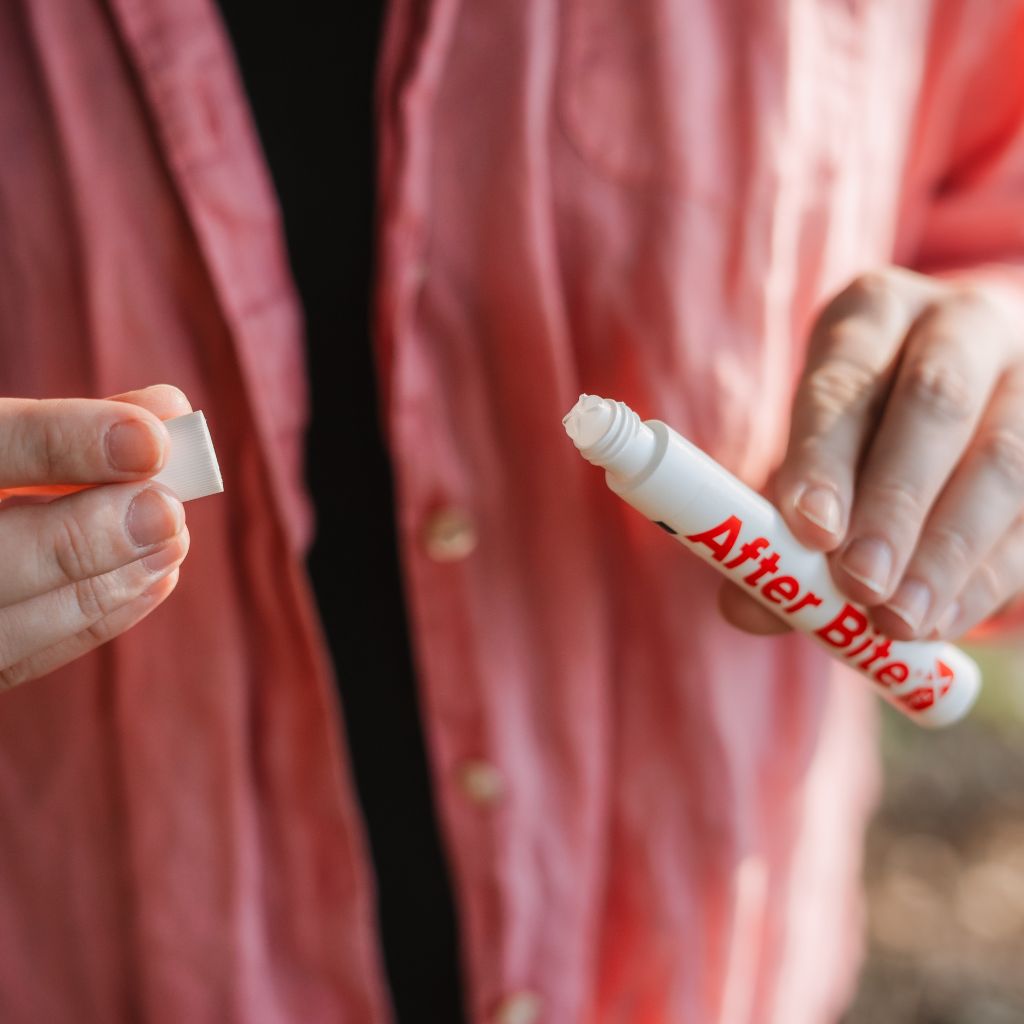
{"x": 164, "y": 401}
{"x": 742, "y": 611}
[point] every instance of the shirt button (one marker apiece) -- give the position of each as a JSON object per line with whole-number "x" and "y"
{"x": 418, "y": 273}
{"x": 518, "y": 1008}
{"x": 449, "y": 535}
{"x": 481, "y": 782}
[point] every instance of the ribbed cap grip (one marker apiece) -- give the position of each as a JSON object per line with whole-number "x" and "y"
{"x": 191, "y": 470}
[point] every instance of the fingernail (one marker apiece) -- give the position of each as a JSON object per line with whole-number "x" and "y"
{"x": 133, "y": 446}
{"x": 947, "y": 618}
{"x": 869, "y": 561}
{"x": 821, "y": 506}
{"x": 163, "y": 559}
{"x": 911, "y": 603}
{"x": 153, "y": 516}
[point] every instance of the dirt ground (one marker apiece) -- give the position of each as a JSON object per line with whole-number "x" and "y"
{"x": 945, "y": 867}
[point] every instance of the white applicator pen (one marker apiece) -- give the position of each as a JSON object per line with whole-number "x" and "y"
{"x": 720, "y": 519}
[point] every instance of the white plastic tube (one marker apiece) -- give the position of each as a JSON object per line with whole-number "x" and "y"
{"x": 735, "y": 530}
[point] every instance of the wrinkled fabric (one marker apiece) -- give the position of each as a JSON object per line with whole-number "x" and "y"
{"x": 637, "y": 198}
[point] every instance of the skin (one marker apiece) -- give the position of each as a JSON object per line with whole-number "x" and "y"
{"x": 905, "y": 460}
{"x": 907, "y": 437}
{"x": 74, "y": 576}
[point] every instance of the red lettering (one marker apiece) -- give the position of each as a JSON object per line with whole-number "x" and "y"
{"x": 881, "y": 651}
{"x": 894, "y": 672}
{"x": 861, "y": 649}
{"x": 749, "y": 550}
{"x": 809, "y": 600}
{"x": 730, "y": 529}
{"x": 785, "y": 586}
{"x": 766, "y": 567}
{"x": 848, "y": 624}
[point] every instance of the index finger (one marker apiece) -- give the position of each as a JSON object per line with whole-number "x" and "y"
{"x": 852, "y": 357}
{"x": 78, "y": 440}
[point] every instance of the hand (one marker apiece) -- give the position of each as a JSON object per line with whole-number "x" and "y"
{"x": 906, "y": 455}
{"x": 84, "y": 568}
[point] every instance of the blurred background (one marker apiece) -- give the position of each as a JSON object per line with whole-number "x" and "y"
{"x": 945, "y": 866}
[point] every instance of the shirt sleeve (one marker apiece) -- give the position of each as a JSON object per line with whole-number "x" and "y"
{"x": 969, "y": 152}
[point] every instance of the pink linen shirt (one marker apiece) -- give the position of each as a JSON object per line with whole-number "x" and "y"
{"x": 650, "y": 817}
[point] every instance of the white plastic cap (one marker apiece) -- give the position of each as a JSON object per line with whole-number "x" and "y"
{"x": 191, "y": 470}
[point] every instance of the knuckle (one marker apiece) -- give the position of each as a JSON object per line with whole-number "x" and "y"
{"x": 93, "y": 598}
{"x": 939, "y": 388}
{"x": 838, "y": 386}
{"x": 73, "y": 551}
{"x": 953, "y": 548}
{"x": 873, "y": 286}
{"x": 1002, "y": 449}
{"x": 100, "y": 631}
{"x": 52, "y": 446}
{"x": 970, "y": 300}
{"x": 898, "y": 502}
{"x": 871, "y": 299}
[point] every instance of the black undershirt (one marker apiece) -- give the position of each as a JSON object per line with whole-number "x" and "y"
{"x": 309, "y": 75}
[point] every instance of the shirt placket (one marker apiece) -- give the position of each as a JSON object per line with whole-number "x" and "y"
{"x": 438, "y": 530}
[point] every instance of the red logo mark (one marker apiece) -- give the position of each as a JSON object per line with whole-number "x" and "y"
{"x": 946, "y": 673}
{"x": 919, "y": 699}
